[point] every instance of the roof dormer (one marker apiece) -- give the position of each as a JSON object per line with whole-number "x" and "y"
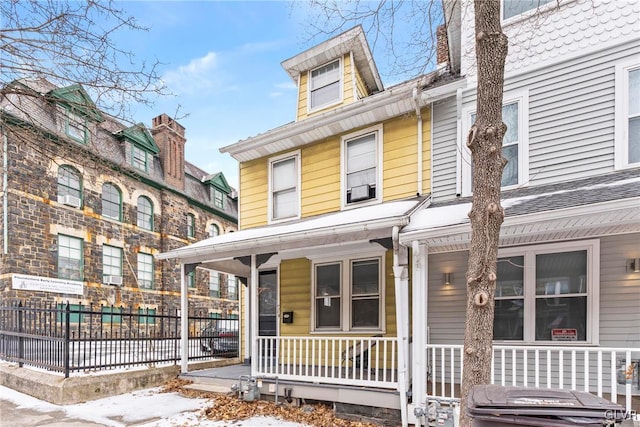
{"x": 336, "y": 72}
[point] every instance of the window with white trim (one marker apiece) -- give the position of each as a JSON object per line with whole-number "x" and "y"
{"x": 214, "y": 230}
{"x": 69, "y": 186}
{"x": 511, "y": 8}
{"x": 515, "y": 143}
{"x": 627, "y": 115}
{"x": 139, "y": 158}
{"x": 348, "y": 295}
{"x": 111, "y": 202}
{"x": 70, "y": 259}
{"x": 362, "y": 169}
{"x": 548, "y": 293}
{"x": 111, "y": 261}
{"x": 76, "y": 127}
{"x": 325, "y": 85}
{"x": 145, "y": 270}
{"x": 145, "y": 213}
{"x": 232, "y": 287}
{"x": 214, "y": 284}
{"x": 191, "y": 225}
{"x": 284, "y": 184}
{"x": 218, "y": 198}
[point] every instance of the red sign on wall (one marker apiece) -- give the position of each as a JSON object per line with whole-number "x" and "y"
{"x": 564, "y": 335}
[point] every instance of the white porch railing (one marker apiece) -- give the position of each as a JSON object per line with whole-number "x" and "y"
{"x": 597, "y": 370}
{"x": 362, "y": 361}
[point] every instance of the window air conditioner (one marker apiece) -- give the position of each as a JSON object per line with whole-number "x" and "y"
{"x": 69, "y": 200}
{"x": 112, "y": 280}
{"x": 361, "y": 192}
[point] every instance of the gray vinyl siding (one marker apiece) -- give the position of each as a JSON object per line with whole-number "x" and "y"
{"x": 444, "y": 150}
{"x": 571, "y": 117}
{"x": 619, "y": 295}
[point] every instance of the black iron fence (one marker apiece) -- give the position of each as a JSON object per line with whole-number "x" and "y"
{"x": 73, "y": 337}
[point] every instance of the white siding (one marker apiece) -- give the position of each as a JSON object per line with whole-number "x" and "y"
{"x": 619, "y": 295}
{"x": 444, "y": 150}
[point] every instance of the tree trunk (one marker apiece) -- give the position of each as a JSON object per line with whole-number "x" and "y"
{"x": 485, "y": 142}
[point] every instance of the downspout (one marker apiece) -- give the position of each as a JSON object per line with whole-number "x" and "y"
{"x": 5, "y": 189}
{"x": 459, "y": 142}
{"x": 416, "y": 99}
{"x": 420, "y": 327}
{"x": 402, "y": 311}
{"x": 184, "y": 323}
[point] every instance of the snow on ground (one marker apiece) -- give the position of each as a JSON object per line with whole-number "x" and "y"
{"x": 144, "y": 408}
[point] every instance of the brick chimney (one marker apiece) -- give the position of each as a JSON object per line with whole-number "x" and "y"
{"x": 169, "y": 136}
{"x": 442, "y": 45}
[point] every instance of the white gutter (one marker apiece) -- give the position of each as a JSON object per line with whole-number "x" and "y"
{"x": 420, "y": 142}
{"x": 402, "y": 311}
{"x": 5, "y": 189}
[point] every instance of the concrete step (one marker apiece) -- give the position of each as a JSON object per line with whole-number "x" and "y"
{"x": 210, "y": 388}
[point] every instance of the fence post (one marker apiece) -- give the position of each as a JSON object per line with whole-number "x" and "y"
{"x": 20, "y": 337}
{"x": 176, "y": 342}
{"x": 67, "y": 333}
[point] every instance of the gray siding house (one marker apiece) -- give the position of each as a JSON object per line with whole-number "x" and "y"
{"x": 568, "y": 292}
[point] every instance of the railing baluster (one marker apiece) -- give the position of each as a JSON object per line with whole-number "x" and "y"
{"x": 599, "y": 373}
{"x": 573, "y": 370}
{"x": 586, "y": 370}
{"x": 548, "y": 368}
{"x": 614, "y": 378}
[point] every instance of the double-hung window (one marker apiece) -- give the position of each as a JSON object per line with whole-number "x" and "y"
{"x": 218, "y": 198}
{"x": 76, "y": 127}
{"x": 362, "y": 167}
{"x": 515, "y": 147}
{"x": 324, "y": 85}
{"x": 145, "y": 213}
{"x": 69, "y": 186}
{"x": 214, "y": 230}
{"x": 627, "y": 113}
{"x": 139, "y": 158}
{"x": 111, "y": 202}
{"x": 111, "y": 262}
{"x": 191, "y": 280}
{"x": 232, "y": 287}
{"x": 214, "y": 284}
{"x": 511, "y": 8}
{"x": 70, "y": 260}
{"x": 284, "y": 187}
{"x": 348, "y": 295}
{"x": 547, "y": 293}
{"x": 145, "y": 270}
{"x": 191, "y": 225}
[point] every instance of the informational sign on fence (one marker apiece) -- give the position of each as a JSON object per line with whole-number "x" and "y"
{"x": 25, "y": 282}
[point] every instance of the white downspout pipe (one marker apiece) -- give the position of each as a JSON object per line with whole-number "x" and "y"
{"x": 402, "y": 310}
{"x": 184, "y": 323}
{"x": 253, "y": 317}
{"x": 420, "y": 142}
{"x": 460, "y": 147}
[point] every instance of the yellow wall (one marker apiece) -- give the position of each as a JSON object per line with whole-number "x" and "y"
{"x": 361, "y": 87}
{"x": 253, "y": 196}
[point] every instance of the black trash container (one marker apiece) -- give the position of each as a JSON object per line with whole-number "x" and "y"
{"x": 500, "y": 406}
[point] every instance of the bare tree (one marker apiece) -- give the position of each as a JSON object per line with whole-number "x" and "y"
{"x": 484, "y": 141}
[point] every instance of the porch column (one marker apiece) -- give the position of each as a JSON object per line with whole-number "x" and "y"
{"x": 253, "y": 316}
{"x": 420, "y": 327}
{"x": 184, "y": 322}
{"x": 246, "y": 321}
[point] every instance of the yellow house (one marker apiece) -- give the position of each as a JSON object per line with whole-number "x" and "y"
{"x": 321, "y": 203}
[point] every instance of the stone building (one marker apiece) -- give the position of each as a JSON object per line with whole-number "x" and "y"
{"x": 87, "y": 202}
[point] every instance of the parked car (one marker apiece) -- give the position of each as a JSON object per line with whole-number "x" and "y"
{"x": 221, "y": 337}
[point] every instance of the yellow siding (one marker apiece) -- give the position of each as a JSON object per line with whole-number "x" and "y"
{"x": 295, "y": 288}
{"x": 254, "y": 185}
{"x": 302, "y": 97}
{"x": 321, "y": 177}
{"x": 361, "y": 87}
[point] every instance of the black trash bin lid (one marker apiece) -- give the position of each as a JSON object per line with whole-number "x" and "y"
{"x": 529, "y": 401}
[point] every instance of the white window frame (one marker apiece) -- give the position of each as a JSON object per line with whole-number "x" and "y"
{"x": 310, "y": 108}
{"x": 379, "y": 134}
{"x": 526, "y": 14}
{"x": 135, "y": 161}
{"x": 114, "y": 270}
{"x": 522, "y": 98}
{"x": 622, "y": 113}
{"x": 214, "y": 283}
{"x": 291, "y": 155}
{"x": 529, "y": 288}
{"x": 345, "y": 293}
{"x": 213, "y": 226}
{"x": 145, "y": 276}
{"x": 76, "y": 127}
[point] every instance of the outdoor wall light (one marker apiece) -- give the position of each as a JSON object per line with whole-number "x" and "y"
{"x": 633, "y": 265}
{"x": 447, "y": 279}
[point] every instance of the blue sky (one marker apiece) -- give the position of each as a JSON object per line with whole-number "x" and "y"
{"x": 222, "y": 61}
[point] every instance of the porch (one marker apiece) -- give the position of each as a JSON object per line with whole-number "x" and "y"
{"x": 611, "y": 373}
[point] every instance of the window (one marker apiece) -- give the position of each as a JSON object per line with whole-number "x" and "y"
{"x": 362, "y": 167}
{"x": 191, "y": 225}
{"x": 76, "y": 314}
{"x": 349, "y": 300}
{"x": 515, "y": 149}
{"x": 145, "y": 270}
{"x": 214, "y": 284}
{"x": 627, "y": 115}
{"x": 191, "y": 280}
{"x": 112, "y": 315}
{"x": 284, "y": 183}
{"x": 324, "y": 85}
{"x": 147, "y": 316}
{"x": 70, "y": 260}
{"x": 139, "y": 158}
{"x": 69, "y": 186}
{"x": 547, "y": 293}
{"x": 511, "y": 8}
{"x": 145, "y": 213}
{"x": 76, "y": 127}
{"x": 111, "y": 261}
{"x": 214, "y": 230}
{"x": 232, "y": 287}
{"x": 218, "y": 198}
{"x": 111, "y": 202}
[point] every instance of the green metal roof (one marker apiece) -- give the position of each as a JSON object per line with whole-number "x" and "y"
{"x": 219, "y": 181}
{"x": 140, "y": 136}
{"x": 76, "y": 98}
